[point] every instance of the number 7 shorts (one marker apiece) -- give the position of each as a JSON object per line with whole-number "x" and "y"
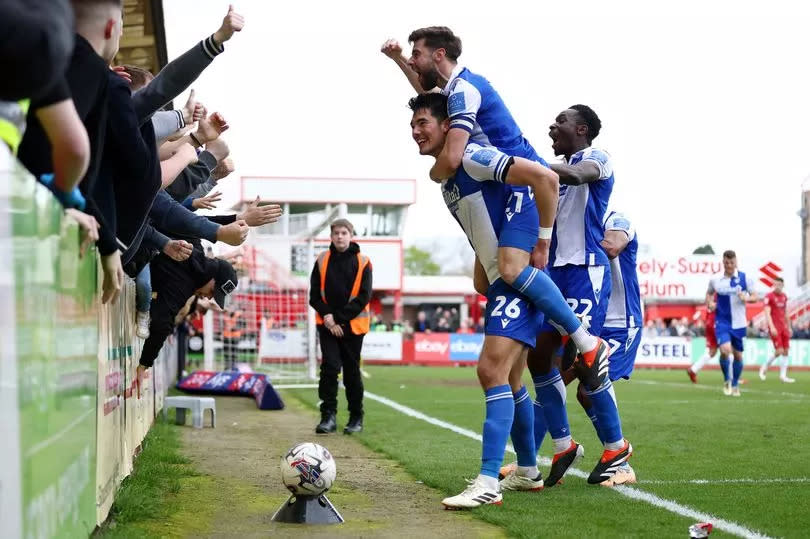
{"x": 510, "y": 314}
{"x": 624, "y": 344}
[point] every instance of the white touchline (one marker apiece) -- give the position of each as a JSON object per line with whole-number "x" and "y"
{"x": 751, "y": 480}
{"x": 630, "y": 492}
{"x": 717, "y": 388}
{"x": 740, "y": 402}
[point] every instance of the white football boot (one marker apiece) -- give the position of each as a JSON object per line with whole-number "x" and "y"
{"x": 475, "y": 495}
{"x": 513, "y": 481}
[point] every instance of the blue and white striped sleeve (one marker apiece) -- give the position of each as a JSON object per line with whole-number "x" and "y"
{"x": 617, "y": 221}
{"x": 486, "y": 163}
{"x": 463, "y": 103}
{"x": 602, "y": 160}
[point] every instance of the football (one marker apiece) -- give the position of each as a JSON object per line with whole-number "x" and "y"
{"x": 308, "y": 469}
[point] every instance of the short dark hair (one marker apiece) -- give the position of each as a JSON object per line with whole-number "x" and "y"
{"x": 590, "y": 119}
{"x": 779, "y": 279}
{"x": 435, "y": 102}
{"x": 93, "y": 3}
{"x": 438, "y": 37}
{"x": 729, "y": 254}
{"x": 86, "y": 8}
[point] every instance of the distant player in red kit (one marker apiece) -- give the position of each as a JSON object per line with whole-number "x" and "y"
{"x": 711, "y": 345}
{"x": 779, "y": 328}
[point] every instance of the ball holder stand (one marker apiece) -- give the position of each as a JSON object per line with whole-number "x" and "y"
{"x": 308, "y": 510}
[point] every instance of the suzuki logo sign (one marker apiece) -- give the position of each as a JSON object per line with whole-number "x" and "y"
{"x": 768, "y": 273}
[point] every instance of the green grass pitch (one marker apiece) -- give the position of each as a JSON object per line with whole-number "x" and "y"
{"x": 744, "y": 460}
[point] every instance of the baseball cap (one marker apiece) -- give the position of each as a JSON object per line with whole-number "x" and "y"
{"x": 225, "y": 281}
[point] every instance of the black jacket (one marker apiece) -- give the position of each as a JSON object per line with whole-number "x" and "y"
{"x": 88, "y": 79}
{"x": 35, "y": 48}
{"x": 130, "y": 167}
{"x": 192, "y": 176}
{"x": 172, "y": 284}
{"x": 340, "y": 275}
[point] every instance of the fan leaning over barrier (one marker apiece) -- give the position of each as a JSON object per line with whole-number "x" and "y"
{"x": 173, "y": 284}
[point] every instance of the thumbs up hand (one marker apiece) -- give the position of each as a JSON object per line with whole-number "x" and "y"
{"x": 233, "y": 22}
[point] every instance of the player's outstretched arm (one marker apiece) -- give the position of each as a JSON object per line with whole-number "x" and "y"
{"x": 450, "y": 158}
{"x": 392, "y": 49}
{"x": 578, "y": 174}
{"x": 614, "y": 242}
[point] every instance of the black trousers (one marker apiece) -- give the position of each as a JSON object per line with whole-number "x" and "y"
{"x": 343, "y": 352}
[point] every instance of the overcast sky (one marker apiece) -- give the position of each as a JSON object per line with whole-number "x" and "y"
{"x": 704, "y": 105}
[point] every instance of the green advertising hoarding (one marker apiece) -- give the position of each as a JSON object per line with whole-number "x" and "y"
{"x": 758, "y": 351}
{"x": 48, "y": 367}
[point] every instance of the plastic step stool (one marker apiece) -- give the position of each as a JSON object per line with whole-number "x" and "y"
{"x": 197, "y": 405}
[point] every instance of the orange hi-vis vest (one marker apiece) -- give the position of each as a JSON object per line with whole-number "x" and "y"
{"x": 362, "y": 322}
{"x": 231, "y": 330}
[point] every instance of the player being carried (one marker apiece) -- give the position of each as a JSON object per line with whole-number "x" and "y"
{"x": 711, "y": 342}
{"x": 779, "y": 328}
{"x": 733, "y": 292}
{"x": 476, "y": 113}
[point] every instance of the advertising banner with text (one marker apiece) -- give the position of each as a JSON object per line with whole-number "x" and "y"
{"x": 673, "y": 278}
{"x": 382, "y": 346}
{"x": 431, "y": 347}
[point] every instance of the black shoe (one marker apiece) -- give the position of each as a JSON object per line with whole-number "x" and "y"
{"x": 592, "y": 367}
{"x": 327, "y": 425}
{"x": 562, "y": 462}
{"x": 355, "y": 424}
{"x": 609, "y": 464}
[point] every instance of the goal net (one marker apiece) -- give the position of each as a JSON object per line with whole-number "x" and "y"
{"x": 269, "y": 326}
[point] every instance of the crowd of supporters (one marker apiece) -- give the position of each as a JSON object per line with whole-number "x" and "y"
{"x": 130, "y": 170}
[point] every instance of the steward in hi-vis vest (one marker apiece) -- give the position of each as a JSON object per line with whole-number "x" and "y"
{"x": 340, "y": 291}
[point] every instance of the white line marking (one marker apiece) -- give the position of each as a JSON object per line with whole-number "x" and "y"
{"x": 630, "y": 492}
{"x": 48, "y": 441}
{"x": 718, "y": 388}
{"x": 751, "y": 480}
{"x": 295, "y": 386}
{"x": 736, "y": 401}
